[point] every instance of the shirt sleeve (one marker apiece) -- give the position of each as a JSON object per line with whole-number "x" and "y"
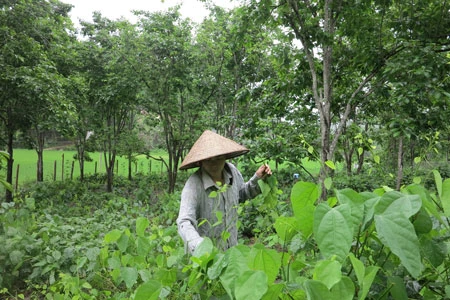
{"x": 187, "y": 217}
{"x": 249, "y": 189}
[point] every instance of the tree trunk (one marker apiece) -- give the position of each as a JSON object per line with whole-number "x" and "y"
{"x": 130, "y": 166}
{"x": 80, "y": 151}
{"x": 110, "y": 160}
{"x": 9, "y": 167}
{"x": 40, "y": 139}
{"x": 399, "y": 164}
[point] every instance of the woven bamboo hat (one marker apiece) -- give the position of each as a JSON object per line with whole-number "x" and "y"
{"x": 210, "y": 145}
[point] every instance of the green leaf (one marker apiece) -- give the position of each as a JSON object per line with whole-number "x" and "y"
{"x": 203, "y": 253}
{"x": 251, "y": 285}
{"x": 369, "y": 277}
{"x": 330, "y": 164}
{"x": 328, "y": 182}
{"x": 129, "y": 276}
{"x": 433, "y": 250}
{"x": 397, "y": 288}
{"x": 287, "y": 227}
{"x": 343, "y": 290}
{"x": 220, "y": 263}
{"x": 438, "y": 181}
{"x": 112, "y": 236}
{"x": 359, "y": 268}
{"x": 328, "y": 272}
{"x": 141, "y": 225}
{"x": 332, "y": 232}
{"x": 142, "y": 246}
{"x": 266, "y": 260}
{"x": 303, "y": 197}
{"x": 445, "y": 197}
{"x": 273, "y": 291}
{"x": 122, "y": 242}
{"x": 16, "y": 257}
{"x": 365, "y": 276}
{"x": 356, "y": 203}
{"x": 236, "y": 265}
{"x": 376, "y": 159}
{"x": 317, "y": 290}
{"x": 391, "y": 215}
{"x": 149, "y": 290}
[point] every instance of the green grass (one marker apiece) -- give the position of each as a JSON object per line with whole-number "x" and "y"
{"x": 58, "y": 165}
{"x": 54, "y": 160}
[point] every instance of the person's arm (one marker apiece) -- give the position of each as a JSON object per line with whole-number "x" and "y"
{"x": 251, "y": 188}
{"x": 187, "y": 217}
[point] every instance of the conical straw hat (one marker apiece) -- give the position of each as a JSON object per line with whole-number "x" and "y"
{"x": 210, "y": 145}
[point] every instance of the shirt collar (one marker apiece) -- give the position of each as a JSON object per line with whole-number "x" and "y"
{"x": 208, "y": 182}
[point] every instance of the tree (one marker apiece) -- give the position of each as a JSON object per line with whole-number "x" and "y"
{"x": 347, "y": 46}
{"x": 112, "y": 88}
{"x": 164, "y": 66}
{"x": 27, "y": 44}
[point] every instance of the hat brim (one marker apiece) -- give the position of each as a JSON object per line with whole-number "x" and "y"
{"x": 196, "y": 163}
{"x": 210, "y": 145}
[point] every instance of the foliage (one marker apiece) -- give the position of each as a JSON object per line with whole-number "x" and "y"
{"x": 62, "y": 244}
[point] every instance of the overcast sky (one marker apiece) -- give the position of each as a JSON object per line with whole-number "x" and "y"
{"x": 193, "y": 9}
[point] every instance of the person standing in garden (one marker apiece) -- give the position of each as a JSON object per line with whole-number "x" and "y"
{"x": 211, "y": 195}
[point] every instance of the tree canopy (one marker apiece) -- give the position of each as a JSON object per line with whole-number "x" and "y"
{"x": 325, "y": 80}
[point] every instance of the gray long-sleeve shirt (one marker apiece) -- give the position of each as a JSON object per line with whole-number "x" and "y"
{"x": 202, "y": 216}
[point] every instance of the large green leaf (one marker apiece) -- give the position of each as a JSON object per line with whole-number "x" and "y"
{"x": 141, "y": 225}
{"x": 343, "y": 290}
{"x": 203, "y": 253}
{"x": 112, "y": 236}
{"x": 303, "y": 197}
{"x": 287, "y": 227}
{"x": 445, "y": 197}
{"x": 427, "y": 202}
{"x": 438, "y": 181}
{"x": 236, "y": 265}
{"x": 303, "y": 194}
{"x": 328, "y": 272}
{"x": 251, "y": 285}
{"x": 356, "y": 202}
{"x": 149, "y": 290}
{"x": 365, "y": 276}
{"x": 219, "y": 264}
{"x": 129, "y": 276}
{"x": 332, "y": 232}
{"x": 267, "y": 260}
{"x": 396, "y": 231}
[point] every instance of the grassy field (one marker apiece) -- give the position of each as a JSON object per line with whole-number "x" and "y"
{"x": 58, "y": 165}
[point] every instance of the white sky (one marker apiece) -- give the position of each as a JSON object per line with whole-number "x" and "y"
{"x": 113, "y": 9}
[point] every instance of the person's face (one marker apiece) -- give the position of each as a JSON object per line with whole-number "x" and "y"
{"x": 214, "y": 165}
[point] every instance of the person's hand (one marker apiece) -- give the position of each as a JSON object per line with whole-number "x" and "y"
{"x": 263, "y": 171}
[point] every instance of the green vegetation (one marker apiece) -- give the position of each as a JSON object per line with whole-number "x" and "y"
{"x": 26, "y": 159}
{"x": 351, "y": 95}
{"x": 71, "y": 240}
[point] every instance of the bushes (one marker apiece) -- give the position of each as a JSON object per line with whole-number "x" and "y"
{"x": 358, "y": 245}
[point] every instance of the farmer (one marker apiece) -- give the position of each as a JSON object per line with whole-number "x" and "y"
{"x": 214, "y": 215}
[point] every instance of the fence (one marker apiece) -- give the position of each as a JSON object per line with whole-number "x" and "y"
{"x": 67, "y": 168}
